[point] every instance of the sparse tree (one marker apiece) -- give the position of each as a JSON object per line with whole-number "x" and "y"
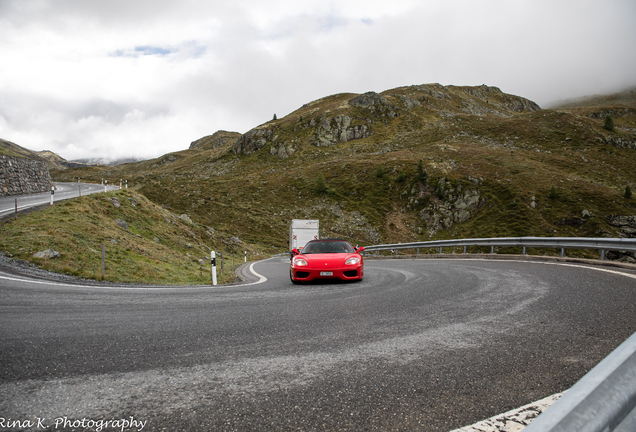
{"x": 628, "y": 192}
{"x": 321, "y": 185}
{"x": 379, "y": 173}
{"x": 274, "y": 117}
{"x": 553, "y": 193}
{"x": 421, "y": 173}
{"x": 401, "y": 178}
{"x": 609, "y": 123}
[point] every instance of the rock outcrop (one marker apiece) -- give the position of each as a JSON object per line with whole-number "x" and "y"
{"x": 252, "y": 141}
{"x": 338, "y": 129}
{"x": 450, "y": 205}
{"x": 216, "y": 140}
{"x": 627, "y": 225}
{"x": 20, "y": 176}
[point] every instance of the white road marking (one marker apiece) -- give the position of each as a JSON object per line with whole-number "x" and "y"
{"x": 514, "y": 420}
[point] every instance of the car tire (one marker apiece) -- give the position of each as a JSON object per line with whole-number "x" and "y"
{"x": 295, "y": 282}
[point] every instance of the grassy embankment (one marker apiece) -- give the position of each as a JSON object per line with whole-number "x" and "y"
{"x": 158, "y": 247}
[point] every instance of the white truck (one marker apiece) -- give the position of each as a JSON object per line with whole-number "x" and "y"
{"x": 301, "y": 231}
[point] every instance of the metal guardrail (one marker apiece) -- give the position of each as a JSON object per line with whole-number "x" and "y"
{"x": 602, "y": 244}
{"x": 604, "y": 400}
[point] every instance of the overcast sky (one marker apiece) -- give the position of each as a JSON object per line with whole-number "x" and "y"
{"x": 141, "y": 78}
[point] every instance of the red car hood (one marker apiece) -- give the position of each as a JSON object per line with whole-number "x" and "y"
{"x": 328, "y": 260}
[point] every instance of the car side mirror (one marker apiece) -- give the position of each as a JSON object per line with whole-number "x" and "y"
{"x": 295, "y": 251}
{"x": 360, "y": 249}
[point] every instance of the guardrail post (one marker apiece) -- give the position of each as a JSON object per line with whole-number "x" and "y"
{"x": 464, "y": 249}
{"x": 602, "y": 255}
{"x": 418, "y": 251}
{"x": 440, "y": 250}
{"x": 16, "y": 209}
{"x": 524, "y": 251}
{"x": 562, "y": 252}
{"x": 492, "y": 249}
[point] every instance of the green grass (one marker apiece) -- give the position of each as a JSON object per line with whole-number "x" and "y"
{"x": 158, "y": 247}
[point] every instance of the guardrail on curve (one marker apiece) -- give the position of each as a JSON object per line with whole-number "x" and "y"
{"x": 602, "y": 244}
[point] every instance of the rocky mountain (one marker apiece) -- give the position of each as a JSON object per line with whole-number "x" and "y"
{"x": 54, "y": 161}
{"x": 412, "y": 163}
{"x": 216, "y": 140}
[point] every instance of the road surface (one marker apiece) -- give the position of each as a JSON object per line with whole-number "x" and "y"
{"x": 419, "y": 345}
{"x": 63, "y": 191}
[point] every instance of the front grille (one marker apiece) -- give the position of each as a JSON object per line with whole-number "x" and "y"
{"x": 351, "y": 273}
{"x": 301, "y": 274}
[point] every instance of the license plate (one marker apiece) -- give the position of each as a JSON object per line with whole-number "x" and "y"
{"x": 326, "y": 273}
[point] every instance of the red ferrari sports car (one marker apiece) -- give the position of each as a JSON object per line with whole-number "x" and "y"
{"x": 326, "y": 259}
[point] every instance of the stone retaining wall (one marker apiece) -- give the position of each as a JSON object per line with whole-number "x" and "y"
{"x": 20, "y": 176}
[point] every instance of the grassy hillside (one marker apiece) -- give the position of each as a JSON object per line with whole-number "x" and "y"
{"x": 153, "y": 246}
{"x": 489, "y": 164}
{"x": 10, "y": 149}
{"x": 410, "y": 164}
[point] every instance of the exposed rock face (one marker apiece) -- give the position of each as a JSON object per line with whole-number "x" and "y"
{"x": 47, "y": 254}
{"x": 114, "y": 201}
{"x": 216, "y": 140}
{"x": 627, "y": 225}
{"x": 23, "y": 176}
{"x": 336, "y": 130}
{"x": 621, "y": 142}
{"x": 252, "y": 141}
{"x": 121, "y": 223}
{"x": 376, "y": 103}
{"x": 282, "y": 150}
{"x": 455, "y": 207}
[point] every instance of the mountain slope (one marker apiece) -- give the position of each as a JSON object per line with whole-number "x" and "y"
{"x": 492, "y": 164}
{"x": 11, "y": 149}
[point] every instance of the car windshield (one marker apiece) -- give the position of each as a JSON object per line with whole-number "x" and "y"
{"x": 328, "y": 247}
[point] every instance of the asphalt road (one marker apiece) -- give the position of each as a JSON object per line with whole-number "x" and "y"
{"x": 63, "y": 191}
{"x": 427, "y": 345}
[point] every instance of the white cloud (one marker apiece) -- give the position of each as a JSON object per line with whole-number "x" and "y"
{"x": 143, "y": 78}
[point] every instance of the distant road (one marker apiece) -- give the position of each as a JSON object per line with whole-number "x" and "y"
{"x": 63, "y": 191}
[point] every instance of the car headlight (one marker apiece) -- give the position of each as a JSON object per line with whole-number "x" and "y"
{"x": 352, "y": 261}
{"x": 300, "y": 262}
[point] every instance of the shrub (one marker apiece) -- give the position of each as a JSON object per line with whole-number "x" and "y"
{"x": 321, "y": 185}
{"x": 609, "y": 123}
{"x": 628, "y": 192}
{"x": 421, "y": 173}
{"x": 379, "y": 173}
{"x": 401, "y": 178}
{"x": 553, "y": 193}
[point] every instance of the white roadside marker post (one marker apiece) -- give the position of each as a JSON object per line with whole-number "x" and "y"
{"x": 245, "y": 256}
{"x": 52, "y": 192}
{"x": 213, "y": 259}
{"x": 106, "y": 186}
{"x": 103, "y": 261}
